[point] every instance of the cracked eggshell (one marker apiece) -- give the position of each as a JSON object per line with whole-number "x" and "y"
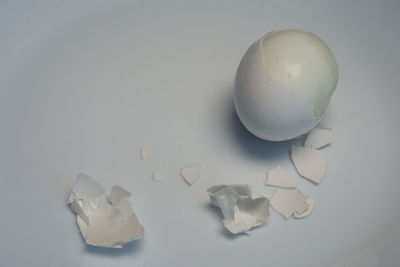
{"x": 284, "y": 83}
{"x": 117, "y": 194}
{"x": 100, "y": 222}
{"x": 241, "y": 207}
{"x": 309, "y": 163}
{"x": 318, "y": 138}
{"x": 279, "y": 178}
{"x": 289, "y": 201}
{"x": 191, "y": 174}
{"x": 307, "y": 212}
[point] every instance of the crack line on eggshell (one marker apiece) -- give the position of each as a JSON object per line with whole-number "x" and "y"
{"x": 311, "y": 108}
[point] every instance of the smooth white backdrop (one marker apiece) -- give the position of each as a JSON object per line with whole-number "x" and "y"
{"x": 85, "y": 84}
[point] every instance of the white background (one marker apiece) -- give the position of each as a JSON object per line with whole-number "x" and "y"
{"x": 85, "y": 84}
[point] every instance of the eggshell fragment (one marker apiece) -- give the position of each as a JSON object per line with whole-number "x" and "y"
{"x": 310, "y": 163}
{"x": 191, "y": 174}
{"x": 279, "y": 178}
{"x": 287, "y": 201}
{"x": 117, "y": 194}
{"x": 157, "y": 176}
{"x": 299, "y": 214}
{"x": 102, "y": 223}
{"x": 241, "y": 207}
{"x": 318, "y": 138}
{"x": 144, "y": 154}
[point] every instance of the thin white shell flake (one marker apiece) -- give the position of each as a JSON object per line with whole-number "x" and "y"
{"x": 191, "y": 174}
{"x": 241, "y": 207}
{"x": 279, "y": 178}
{"x": 310, "y": 163}
{"x": 102, "y": 223}
{"x": 318, "y": 138}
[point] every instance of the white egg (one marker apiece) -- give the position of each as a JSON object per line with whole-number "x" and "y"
{"x": 284, "y": 84}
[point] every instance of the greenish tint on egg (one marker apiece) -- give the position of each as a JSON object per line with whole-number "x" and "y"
{"x": 284, "y": 84}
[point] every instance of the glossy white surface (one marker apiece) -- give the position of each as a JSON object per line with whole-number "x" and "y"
{"x": 85, "y": 84}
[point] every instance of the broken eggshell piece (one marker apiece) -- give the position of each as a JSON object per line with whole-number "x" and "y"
{"x": 191, "y": 174}
{"x": 309, "y": 163}
{"x": 299, "y": 215}
{"x": 102, "y": 223}
{"x": 279, "y": 178}
{"x": 318, "y": 138}
{"x": 289, "y": 201}
{"x": 117, "y": 194}
{"x": 157, "y": 176}
{"x": 144, "y": 154}
{"x": 241, "y": 207}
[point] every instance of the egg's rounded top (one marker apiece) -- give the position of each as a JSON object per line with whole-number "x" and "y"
{"x": 284, "y": 83}
{"x": 304, "y": 62}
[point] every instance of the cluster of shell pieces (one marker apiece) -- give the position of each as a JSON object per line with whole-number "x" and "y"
{"x": 243, "y": 209}
{"x": 189, "y": 174}
{"x": 311, "y": 164}
{"x": 101, "y": 222}
{"x": 112, "y": 223}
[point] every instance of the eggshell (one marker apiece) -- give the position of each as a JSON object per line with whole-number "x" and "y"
{"x": 284, "y": 83}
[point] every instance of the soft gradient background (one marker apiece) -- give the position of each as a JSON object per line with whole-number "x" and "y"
{"x": 85, "y": 84}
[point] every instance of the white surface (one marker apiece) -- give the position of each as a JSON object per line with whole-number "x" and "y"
{"x": 76, "y": 77}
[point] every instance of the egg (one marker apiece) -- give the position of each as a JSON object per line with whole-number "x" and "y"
{"x": 284, "y": 83}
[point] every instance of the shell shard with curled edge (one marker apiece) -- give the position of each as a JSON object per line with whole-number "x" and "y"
{"x": 318, "y": 138}
{"x": 279, "y": 178}
{"x": 100, "y": 222}
{"x": 242, "y": 209}
{"x": 309, "y": 163}
{"x": 299, "y": 215}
